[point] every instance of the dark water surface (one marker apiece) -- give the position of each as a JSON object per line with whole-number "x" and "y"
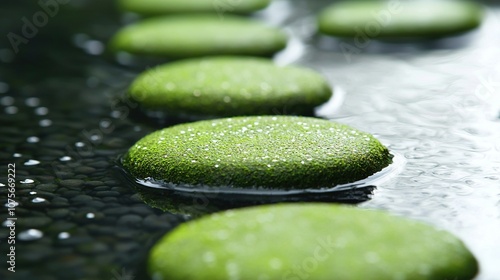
{"x": 63, "y": 124}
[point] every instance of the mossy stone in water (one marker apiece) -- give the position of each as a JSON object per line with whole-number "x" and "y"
{"x": 309, "y": 241}
{"x": 399, "y": 19}
{"x": 230, "y": 86}
{"x": 280, "y": 152}
{"x": 221, "y": 7}
{"x": 199, "y": 35}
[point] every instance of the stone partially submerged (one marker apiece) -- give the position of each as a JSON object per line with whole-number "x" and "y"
{"x": 229, "y": 86}
{"x": 268, "y": 152}
{"x": 182, "y": 36}
{"x": 309, "y": 241}
{"x": 366, "y": 20}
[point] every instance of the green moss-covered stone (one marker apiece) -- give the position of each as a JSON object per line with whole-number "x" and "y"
{"x": 309, "y": 241}
{"x": 280, "y": 152}
{"x": 394, "y": 19}
{"x": 230, "y": 86}
{"x": 199, "y": 35}
{"x": 221, "y": 7}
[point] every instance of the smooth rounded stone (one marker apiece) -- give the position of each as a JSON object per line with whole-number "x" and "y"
{"x": 88, "y": 217}
{"x": 221, "y": 7}
{"x": 130, "y": 220}
{"x": 81, "y": 198}
{"x": 102, "y": 188}
{"x": 59, "y": 202}
{"x": 71, "y": 183}
{"x": 96, "y": 204}
{"x": 93, "y": 248}
{"x": 44, "y": 194}
{"x": 202, "y": 35}
{"x": 35, "y": 253}
{"x": 37, "y": 202}
{"x": 120, "y": 189}
{"x": 229, "y": 86}
{"x": 58, "y": 213}
{"x": 99, "y": 164}
{"x": 136, "y": 197}
{"x": 60, "y": 226}
{"x": 115, "y": 143}
{"x": 127, "y": 234}
{"x": 110, "y": 199}
{"x": 101, "y": 230}
{"x": 399, "y": 19}
{"x": 125, "y": 248}
{"x": 69, "y": 193}
{"x": 45, "y": 179}
{"x": 142, "y": 210}
{"x": 30, "y": 235}
{"x": 107, "y": 194}
{"x": 64, "y": 174}
{"x": 271, "y": 152}
{"x": 112, "y": 183}
{"x": 320, "y": 241}
{"x": 47, "y": 187}
{"x": 117, "y": 211}
{"x": 34, "y": 222}
{"x": 85, "y": 170}
{"x": 156, "y": 222}
{"x": 93, "y": 183}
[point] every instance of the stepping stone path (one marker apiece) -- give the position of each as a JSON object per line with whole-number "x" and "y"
{"x": 399, "y": 19}
{"x": 270, "y": 152}
{"x": 199, "y": 35}
{"x": 229, "y": 86}
{"x": 309, "y": 241}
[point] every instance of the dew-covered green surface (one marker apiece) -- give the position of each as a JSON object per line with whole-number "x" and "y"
{"x": 393, "y": 19}
{"x": 309, "y": 241}
{"x": 269, "y": 152}
{"x": 221, "y": 7}
{"x": 199, "y": 35}
{"x": 230, "y": 86}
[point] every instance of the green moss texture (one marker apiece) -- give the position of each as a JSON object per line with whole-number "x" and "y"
{"x": 221, "y": 7}
{"x": 309, "y": 241}
{"x": 199, "y": 35}
{"x": 272, "y": 152}
{"x": 230, "y": 86}
{"x": 396, "y": 19}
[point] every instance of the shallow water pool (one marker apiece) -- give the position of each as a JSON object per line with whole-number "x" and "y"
{"x": 63, "y": 123}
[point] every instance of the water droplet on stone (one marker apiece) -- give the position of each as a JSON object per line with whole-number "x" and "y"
{"x": 32, "y": 102}
{"x": 4, "y": 87}
{"x": 65, "y": 158}
{"x": 7, "y": 100}
{"x": 33, "y": 139}
{"x": 38, "y": 200}
{"x": 31, "y": 162}
{"x": 30, "y": 235}
{"x": 45, "y": 123}
{"x": 11, "y": 110}
{"x": 63, "y": 235}
{"x": 79, "y": 144}
{"x": 41, "y": 111}
{"x": 93, "y": 47}
{"x": 27, "y": 181}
